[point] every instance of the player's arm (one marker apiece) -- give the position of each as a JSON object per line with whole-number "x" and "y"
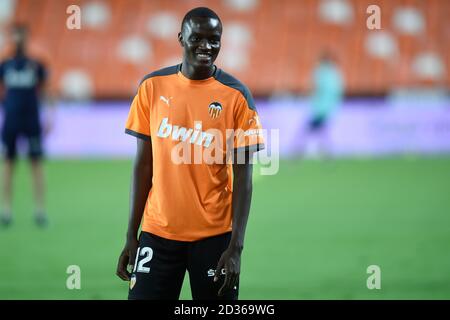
{"x": 50, "y": 112}
{"x": 241, "y": 199}
{"x": 141, "y": 184}
{"x": 47, "y": 96}
{"x": 2, "y": 87}
{"x": 49, "y": 99}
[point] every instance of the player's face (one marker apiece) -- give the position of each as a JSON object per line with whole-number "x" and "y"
{"x": 18, "y": 36}
{"x": 200, "y": 39}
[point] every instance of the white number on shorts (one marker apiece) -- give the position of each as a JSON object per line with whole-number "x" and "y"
{"x": 146, "y": 252}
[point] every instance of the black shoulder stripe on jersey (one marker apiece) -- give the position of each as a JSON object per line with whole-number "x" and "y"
{"x": 162, "y": 72}
{"x": 251, "y": 148}
{"x": 137, "y": 135}
{"x": 232, "y": 82}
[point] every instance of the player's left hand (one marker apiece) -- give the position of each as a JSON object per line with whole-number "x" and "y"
{"x": 231, "y": 262}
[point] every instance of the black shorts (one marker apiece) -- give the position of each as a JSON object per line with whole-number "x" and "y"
{"x": 161, "y": 265}
{"x": 317, "y": 123}
{"x": 27, "y": 128}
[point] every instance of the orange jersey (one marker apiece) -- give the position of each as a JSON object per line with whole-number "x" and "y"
{"x": 189, "y": 123}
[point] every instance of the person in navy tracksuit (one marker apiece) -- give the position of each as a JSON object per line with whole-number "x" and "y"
{"x": 23, "y": 80}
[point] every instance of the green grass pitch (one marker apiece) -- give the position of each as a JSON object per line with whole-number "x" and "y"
{"x": 314, "y": 229}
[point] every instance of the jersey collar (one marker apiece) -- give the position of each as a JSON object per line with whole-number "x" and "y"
{"x": 184, "y": 79}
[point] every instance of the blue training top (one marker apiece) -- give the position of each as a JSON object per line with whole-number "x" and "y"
{"x": 328, "y": 90}
{"x": 21, "y": 77}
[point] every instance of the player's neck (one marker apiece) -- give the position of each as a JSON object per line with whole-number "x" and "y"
{"x": 20, "y": 51}
{"x": 193, "y": 73}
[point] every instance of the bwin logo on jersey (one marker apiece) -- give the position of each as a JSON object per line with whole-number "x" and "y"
{"x": 214, "y": 110}
{"x": 178, "y": 133}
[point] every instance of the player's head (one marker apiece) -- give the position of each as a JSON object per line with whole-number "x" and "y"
{"x": 201, "y": 32}
{"x": 19, "y": 34}
{"x": 326, "y": 57}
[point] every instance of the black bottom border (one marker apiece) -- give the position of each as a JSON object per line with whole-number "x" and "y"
{"x": 242, "y": 309}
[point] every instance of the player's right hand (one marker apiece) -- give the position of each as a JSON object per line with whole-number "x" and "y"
{"x": 127, "y": 259}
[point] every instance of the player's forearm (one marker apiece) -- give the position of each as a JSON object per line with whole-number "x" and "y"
{"x": 140, "y": 187}
{"x": 141, "y": 184}
{"x": 242, "y": 196}
{"x": 50, "y": 106}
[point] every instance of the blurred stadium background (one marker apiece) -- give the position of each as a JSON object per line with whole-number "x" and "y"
{"x": 381, "y": 199}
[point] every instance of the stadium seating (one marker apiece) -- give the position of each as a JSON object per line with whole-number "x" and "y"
{"x": 270, "y": 45}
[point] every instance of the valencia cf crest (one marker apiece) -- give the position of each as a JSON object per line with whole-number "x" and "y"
{"x": 214, "y": 110}
{"x": 132, "y": 281}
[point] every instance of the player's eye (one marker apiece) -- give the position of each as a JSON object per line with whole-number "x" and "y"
{"x": 195, "y": 39}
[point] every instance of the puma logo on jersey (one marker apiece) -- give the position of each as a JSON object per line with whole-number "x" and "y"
{"x": 166, "y": 100}
{"x": 179, "y": 133}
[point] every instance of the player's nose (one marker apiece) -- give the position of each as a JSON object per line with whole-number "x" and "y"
{"x": 204, "y": 44}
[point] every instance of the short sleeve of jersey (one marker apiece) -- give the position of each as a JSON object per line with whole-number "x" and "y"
{"x": 248, "y": 129}
{"x": 138, "y": 122}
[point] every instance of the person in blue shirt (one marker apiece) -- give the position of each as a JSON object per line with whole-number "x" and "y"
{"x": 326, "y": 99}
{"x": 23, "y": 80}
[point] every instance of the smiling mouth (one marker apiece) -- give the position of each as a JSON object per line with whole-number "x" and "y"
{"x": 204, "y": 56}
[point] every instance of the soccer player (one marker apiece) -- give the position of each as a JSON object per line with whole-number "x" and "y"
{"x": 194, "y": 214}
{"x": 326, "y": 101}
{"x": 23, "y": 80}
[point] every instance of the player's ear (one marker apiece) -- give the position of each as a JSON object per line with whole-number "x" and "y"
{"x": 180, "y": 39}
